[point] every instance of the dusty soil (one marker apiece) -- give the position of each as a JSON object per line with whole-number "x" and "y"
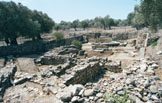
{"x": 158, "y": 72}
{"x": 117, "y": 53}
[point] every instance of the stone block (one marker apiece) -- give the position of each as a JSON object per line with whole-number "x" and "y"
{"x": 26, "y": 65}
{"x": 114, "y": 66}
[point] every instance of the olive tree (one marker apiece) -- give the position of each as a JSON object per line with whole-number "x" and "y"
{"x": 17, "y": 20}
{"x": 84, "y": 24}
{"x": 75, "y": 24}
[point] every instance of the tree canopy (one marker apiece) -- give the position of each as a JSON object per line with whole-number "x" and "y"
{"x": 152, "y": 12}
{"x": 98, "y": 22}
{"x": 17, "y": 20}
{"x": 147, "y": 14}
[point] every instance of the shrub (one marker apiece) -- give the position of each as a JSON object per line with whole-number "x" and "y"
{"x": 59, "y": 36}
{"x": 77, "y": 43}
{"x": 154, "y": 43}
{"x": 117, "y": 98}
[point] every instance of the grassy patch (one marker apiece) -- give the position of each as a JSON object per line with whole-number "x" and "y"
{"x": 154, "y": 43}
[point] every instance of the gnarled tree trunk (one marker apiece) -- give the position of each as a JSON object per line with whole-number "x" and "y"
{"x": 7, "y": 41}
{"x": 39, "y": 37}
{"x": 13, "y": 41}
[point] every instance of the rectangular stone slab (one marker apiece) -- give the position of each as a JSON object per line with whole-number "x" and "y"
{"x": 26, "y": 65}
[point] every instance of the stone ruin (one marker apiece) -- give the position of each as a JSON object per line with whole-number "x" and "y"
{"x": 67, "y": 74}
{"x": 62, "y": 65}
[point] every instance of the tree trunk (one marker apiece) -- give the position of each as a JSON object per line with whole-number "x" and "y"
{"x": 39, "y": 37}
{"x": 13, "y": 41}
{"x": 109, "y": 27}
{"x": 7, "y": 41}
{"x": 104, "y": 28}
{"x": 33, "y": 39}
{"x": 75, "y": 29}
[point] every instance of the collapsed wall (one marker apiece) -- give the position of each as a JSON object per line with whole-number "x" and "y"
{"x": 6, "y": 77}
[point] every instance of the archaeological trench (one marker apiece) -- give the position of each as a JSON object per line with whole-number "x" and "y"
{"x": 109, "y": 66}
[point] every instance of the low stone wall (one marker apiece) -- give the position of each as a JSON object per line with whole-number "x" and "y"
{"x": 114, "y": 66}
{"x": 120, "y": 36}
{"x": 68, "y": 41}
{"x": 53, "y": 60}
{"x": 93, "y": 35}
{"x": 83, "y": 73}
{"x": 35, "y": 47}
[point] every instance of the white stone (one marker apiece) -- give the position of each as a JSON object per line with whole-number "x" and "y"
{"x": 154, "y": 97}
{"x": 81, "y": 92}
{"x": 74, "y": 99}
{"x": 75, "y": 89}
{"x": 105, "y": 84}
{"x": 99, "y": 95}
{"x": 159, "y": 53}
{"x": 91, "y": 97}
{"x": 153, "y": 89}
{"x": 88, "y": 92}
{"x": 143, "y": 67}
{"x": 155, "y": 66}
{"x": 131, "y": 53}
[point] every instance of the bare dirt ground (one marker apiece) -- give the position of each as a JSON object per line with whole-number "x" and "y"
{"x": 117, "y": 53}
{"x": 158, "y": 72}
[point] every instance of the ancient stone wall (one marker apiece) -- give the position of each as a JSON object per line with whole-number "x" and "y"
{"x": 84, "y": 73}
{"x": 53, "y": 60}
{"x": 35, "y": 47}
{"x": 93, "y": 35}
{"x": 69, "y": 40}
{"x": 114, "y": 36}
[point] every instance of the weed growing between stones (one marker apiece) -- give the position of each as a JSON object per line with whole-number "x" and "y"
{"x": 154, "y": 44}
{"x": 115, "y": 98}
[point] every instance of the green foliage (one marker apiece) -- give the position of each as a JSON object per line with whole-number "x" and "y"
{"x": 107, "y": 22}
{"x": 138, "y": 21}
{"x": 34, "y": 29}
{"x": 130, "y": 17}
{"x": 136, "y": 18}
{"x": 59, "y": 37}
{"x": 76, "y": 43}
{"x": 57, "y": 27}
{"x": 84, "y": 24}
{"x": 43, "y": 19}
{"x": 64, "y": 25}
{"x": 151, "y": 10}
{"x": 98, "y": 22}
{"x": 154, "y": 43}
{"x": 75, "y": 24}
{"x": 17, "y": 20}
{"x": 117, "y": 98}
